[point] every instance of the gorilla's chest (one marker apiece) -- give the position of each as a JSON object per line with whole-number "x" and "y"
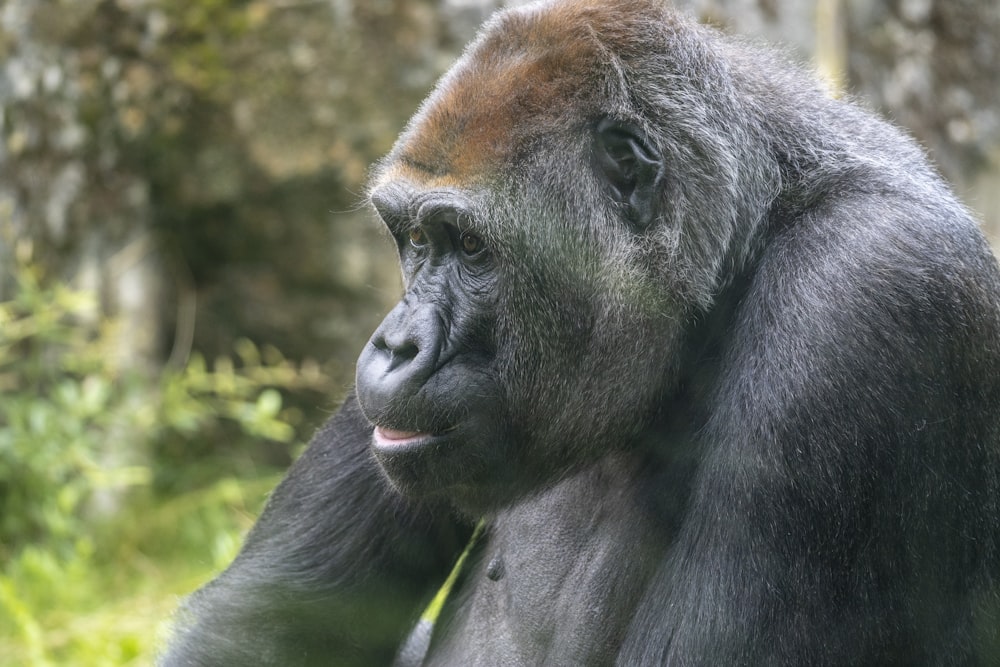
{"x": 556, "y": 579}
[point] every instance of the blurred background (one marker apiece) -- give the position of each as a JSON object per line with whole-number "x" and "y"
{"x": 187, "y": 271}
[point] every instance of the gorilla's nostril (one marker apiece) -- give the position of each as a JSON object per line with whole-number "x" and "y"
{"x": 399, "y": 348}
{"x": 402, "y": 354}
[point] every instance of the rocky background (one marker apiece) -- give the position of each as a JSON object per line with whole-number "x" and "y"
{"x": 199, "y": 163}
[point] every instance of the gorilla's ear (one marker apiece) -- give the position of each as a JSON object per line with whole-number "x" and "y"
{"x": 631, "y": 167}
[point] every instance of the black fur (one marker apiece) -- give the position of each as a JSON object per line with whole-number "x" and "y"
{"x": 717, "y": 358}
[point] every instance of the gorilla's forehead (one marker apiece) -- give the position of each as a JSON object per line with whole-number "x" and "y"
{"x": 531, "y": 72}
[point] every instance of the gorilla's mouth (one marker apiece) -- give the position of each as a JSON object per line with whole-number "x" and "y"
{"x": 390, "y": 437}
{"x": 393, "y": 438}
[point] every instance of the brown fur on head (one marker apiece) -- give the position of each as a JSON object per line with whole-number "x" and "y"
{"x": 530, "y": 71}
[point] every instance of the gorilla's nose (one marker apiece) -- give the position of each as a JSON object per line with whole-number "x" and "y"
{"x": 398, "y": 359}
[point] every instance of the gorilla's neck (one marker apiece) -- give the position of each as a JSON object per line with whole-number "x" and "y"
{"x": 550, "y": 576}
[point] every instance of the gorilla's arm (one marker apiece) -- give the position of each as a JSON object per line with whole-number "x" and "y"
{"x": 334, "y": 572}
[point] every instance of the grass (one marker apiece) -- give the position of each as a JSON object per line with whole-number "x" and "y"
{"x": 109, "y": 599}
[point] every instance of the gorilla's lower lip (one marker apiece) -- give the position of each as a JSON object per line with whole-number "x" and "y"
{"x": 389, "y": 437}
{"x": 393, "y": 434}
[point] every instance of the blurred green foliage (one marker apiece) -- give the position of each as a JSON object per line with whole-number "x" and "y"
{"x": 98, "y": 536}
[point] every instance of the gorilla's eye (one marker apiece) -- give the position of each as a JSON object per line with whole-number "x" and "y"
{"x": 417, "y": 238}
{"x": 471, "y": 244}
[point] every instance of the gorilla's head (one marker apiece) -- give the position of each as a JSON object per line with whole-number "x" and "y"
{"x": 565, "y": 206}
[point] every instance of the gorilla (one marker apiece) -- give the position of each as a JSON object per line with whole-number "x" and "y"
{"x": 711, "y": 358}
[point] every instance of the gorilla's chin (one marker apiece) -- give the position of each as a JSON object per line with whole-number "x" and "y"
{"x": 421, "y": 464}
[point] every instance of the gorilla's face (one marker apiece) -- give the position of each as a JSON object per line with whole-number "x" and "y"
{"x": 428, "y": 377}
{"x": 534, "y": 334}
